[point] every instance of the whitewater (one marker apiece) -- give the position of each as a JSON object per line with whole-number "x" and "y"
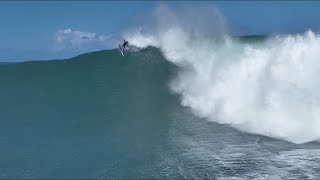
{"x": 268, "y": 88}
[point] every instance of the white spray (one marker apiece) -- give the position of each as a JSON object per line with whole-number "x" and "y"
{"x": 269, "y": 88}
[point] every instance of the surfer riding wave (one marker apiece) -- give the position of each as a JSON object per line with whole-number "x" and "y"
{"x": 123, "y": 46}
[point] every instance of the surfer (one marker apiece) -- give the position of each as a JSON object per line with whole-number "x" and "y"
{"x": 125, "y": 43}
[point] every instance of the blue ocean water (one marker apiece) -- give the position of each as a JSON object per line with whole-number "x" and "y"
{"x": 101, "y": 115}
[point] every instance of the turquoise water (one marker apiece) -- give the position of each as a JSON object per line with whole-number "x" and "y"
{"x": 101, "y": 115}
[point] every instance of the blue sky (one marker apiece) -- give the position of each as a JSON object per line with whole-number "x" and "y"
{"x": 29, "y": 29}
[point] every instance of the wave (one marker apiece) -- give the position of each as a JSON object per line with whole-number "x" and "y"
{"x": 265, "y": 87}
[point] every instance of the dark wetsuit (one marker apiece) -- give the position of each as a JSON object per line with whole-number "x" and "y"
{"x": 124, "y": 44}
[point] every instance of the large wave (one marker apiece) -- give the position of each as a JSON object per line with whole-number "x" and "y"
{"x": 268, "y": 88}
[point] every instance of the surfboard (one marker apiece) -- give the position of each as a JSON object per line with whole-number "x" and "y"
{"x": 120, "y": 49}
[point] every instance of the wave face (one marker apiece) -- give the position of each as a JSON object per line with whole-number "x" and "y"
{"x": 97, "y": 115}
{"x": 264, "y": 87}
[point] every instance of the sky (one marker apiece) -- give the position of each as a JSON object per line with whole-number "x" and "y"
{"x": 40, "y": 30}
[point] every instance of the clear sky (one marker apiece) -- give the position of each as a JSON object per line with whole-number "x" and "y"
{"x": 30, "y": 30}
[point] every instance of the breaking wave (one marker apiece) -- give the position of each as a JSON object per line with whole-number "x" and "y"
{"x": 264, "y": 87}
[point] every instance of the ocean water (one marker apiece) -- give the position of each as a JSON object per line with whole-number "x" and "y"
{"x": 101, "y": 115}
